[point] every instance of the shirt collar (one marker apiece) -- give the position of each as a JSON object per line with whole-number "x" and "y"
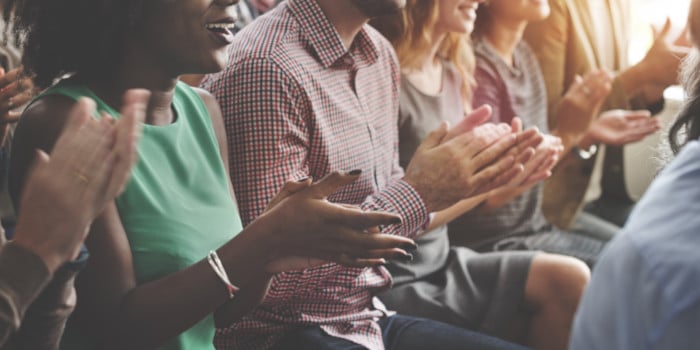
{"x": 324, "y": 39}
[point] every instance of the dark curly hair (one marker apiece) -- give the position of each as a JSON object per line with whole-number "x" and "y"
{"x": 73, "y": 36}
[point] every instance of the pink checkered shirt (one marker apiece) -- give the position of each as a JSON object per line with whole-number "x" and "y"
{"x": 296, "y": 103}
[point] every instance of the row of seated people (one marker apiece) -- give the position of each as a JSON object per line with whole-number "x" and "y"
{"x": 307, "y": 189}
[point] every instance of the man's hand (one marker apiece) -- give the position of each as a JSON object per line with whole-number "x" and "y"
{"x": 450, "y": 166}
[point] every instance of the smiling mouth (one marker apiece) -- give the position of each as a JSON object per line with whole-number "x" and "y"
{"x": 222, "y": 28}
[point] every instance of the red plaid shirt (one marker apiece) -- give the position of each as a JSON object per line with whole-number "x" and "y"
{"x": 296, "y": 103}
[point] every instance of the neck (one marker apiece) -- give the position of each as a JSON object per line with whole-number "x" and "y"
{"x": 345, "y": 17}
{"x": 138, "y": 72}
{"x": 431, "y": 59}
{"x": 504, "y": 36}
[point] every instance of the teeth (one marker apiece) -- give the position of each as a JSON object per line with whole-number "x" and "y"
{"x": 221, "y": 26}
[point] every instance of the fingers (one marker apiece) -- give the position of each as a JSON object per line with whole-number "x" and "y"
{"x": 487, "y": 174}
{"x": 433, "y": 139}
{"x": 663, "y": 33}
{"x": 636, "y": 115}
{"x": 289, "y": 188}
{"x": 78, "y": 116}
{"x": 293, "y": 263}
{"x": 640, "y": 132}
{"x": 503, "y": 180}
{"x": 516, "y": 125}
{"x": 10, "y": 94}
{"x": 683, "y": 38}
{"x": 477, "y": 117}
{"x": 483, "y": 137}
{"x": 357, "y": 243}
{"x": 331, "y": 182}
{"x": 362, "y": 220}
{"x": 490, "y": 154}
{"x": 529, "y": 138}
{"x": 10, "y": 77}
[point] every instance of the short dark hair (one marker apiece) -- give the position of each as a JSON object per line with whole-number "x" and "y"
{"x": 73, "y": 36}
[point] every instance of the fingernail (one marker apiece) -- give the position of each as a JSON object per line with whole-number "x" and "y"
{"x": 409, "y": 247}
{"x": 303, "y": 180}
{"x": 355, "y": 172}
{"x": 395, "y": 221}
{"x": 405, "y": 258}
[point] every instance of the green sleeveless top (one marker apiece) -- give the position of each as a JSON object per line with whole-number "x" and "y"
{"x": 177, "y": 205}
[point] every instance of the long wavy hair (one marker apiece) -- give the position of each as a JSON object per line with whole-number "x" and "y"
{"x": 687, "y": 125}
{"x": 410, "y": 32}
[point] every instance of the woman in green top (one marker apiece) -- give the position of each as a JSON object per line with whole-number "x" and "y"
{"x": 148, "y": 283}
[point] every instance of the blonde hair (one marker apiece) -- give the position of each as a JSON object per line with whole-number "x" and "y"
{"x": 410, "y": 32}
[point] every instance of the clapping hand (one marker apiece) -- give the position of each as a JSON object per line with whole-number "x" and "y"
{"x": 88, "y": 167}
{"x": 15, "y": 91}
{"x": 620, "y": 127}
{"x": 313, "y": 231}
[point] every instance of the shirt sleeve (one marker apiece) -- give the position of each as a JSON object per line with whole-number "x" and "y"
{"x": 622, "y": 305}
{"x": 269, "y": 123}
{"x": 23, "y": 276}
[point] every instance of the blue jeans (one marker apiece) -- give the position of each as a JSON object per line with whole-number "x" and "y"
{"x": 400, "y": 333}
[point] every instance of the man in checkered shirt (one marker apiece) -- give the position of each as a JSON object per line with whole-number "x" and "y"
{"x": 310, "y": 89}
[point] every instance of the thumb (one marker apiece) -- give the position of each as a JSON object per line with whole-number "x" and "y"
{"x": 434, "y": 138}
{"x": 331, "y": 182}
{"x": 41, "y": 159}
{"x": 663, "y": 33}
{"x": 287, "y": 190}
{"x": 477, "y": 117}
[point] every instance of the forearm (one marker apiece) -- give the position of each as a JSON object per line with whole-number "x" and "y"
{"x": 444, "y": 217}
{"x": 155, "y": 312}
{"x": 502, "y": 198}
{"x": 632, "y": 81}
{"x": 46, "y": 319}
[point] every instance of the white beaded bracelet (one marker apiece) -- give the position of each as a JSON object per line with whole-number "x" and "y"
{"x": 218, "y": 268}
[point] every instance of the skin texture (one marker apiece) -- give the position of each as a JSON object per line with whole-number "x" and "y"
{"x": 172, "y": 40}
{"x": 92, "y": 159}
{"x": 555, "y": 283}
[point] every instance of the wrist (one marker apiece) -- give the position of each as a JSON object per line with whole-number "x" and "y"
{"x": 586, "y": 142}
{"x": 586, "y": 149}
{"x": 245, "y": 256}
{"x": 48, "y": 255}
{"x": 632, "y": 80}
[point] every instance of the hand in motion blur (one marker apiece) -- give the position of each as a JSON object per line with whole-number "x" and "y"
{"x": 620, "y": 127}
{"x": 88, "y": 167}
{"x": 313, "y": 231}
{"x": 581, "y": 104}
{"x": 15, "y": 91}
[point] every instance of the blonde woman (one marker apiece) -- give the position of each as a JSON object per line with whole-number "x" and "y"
{"x": 525, "y": 296}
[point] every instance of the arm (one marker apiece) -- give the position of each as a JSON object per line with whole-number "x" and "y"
{"x": 550, "y": 40}
{"x": 55, "y": 211}
{"x": 122, "y": 315}
{"x": 19, "y": 287}
{"x": 275, "y": 120}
